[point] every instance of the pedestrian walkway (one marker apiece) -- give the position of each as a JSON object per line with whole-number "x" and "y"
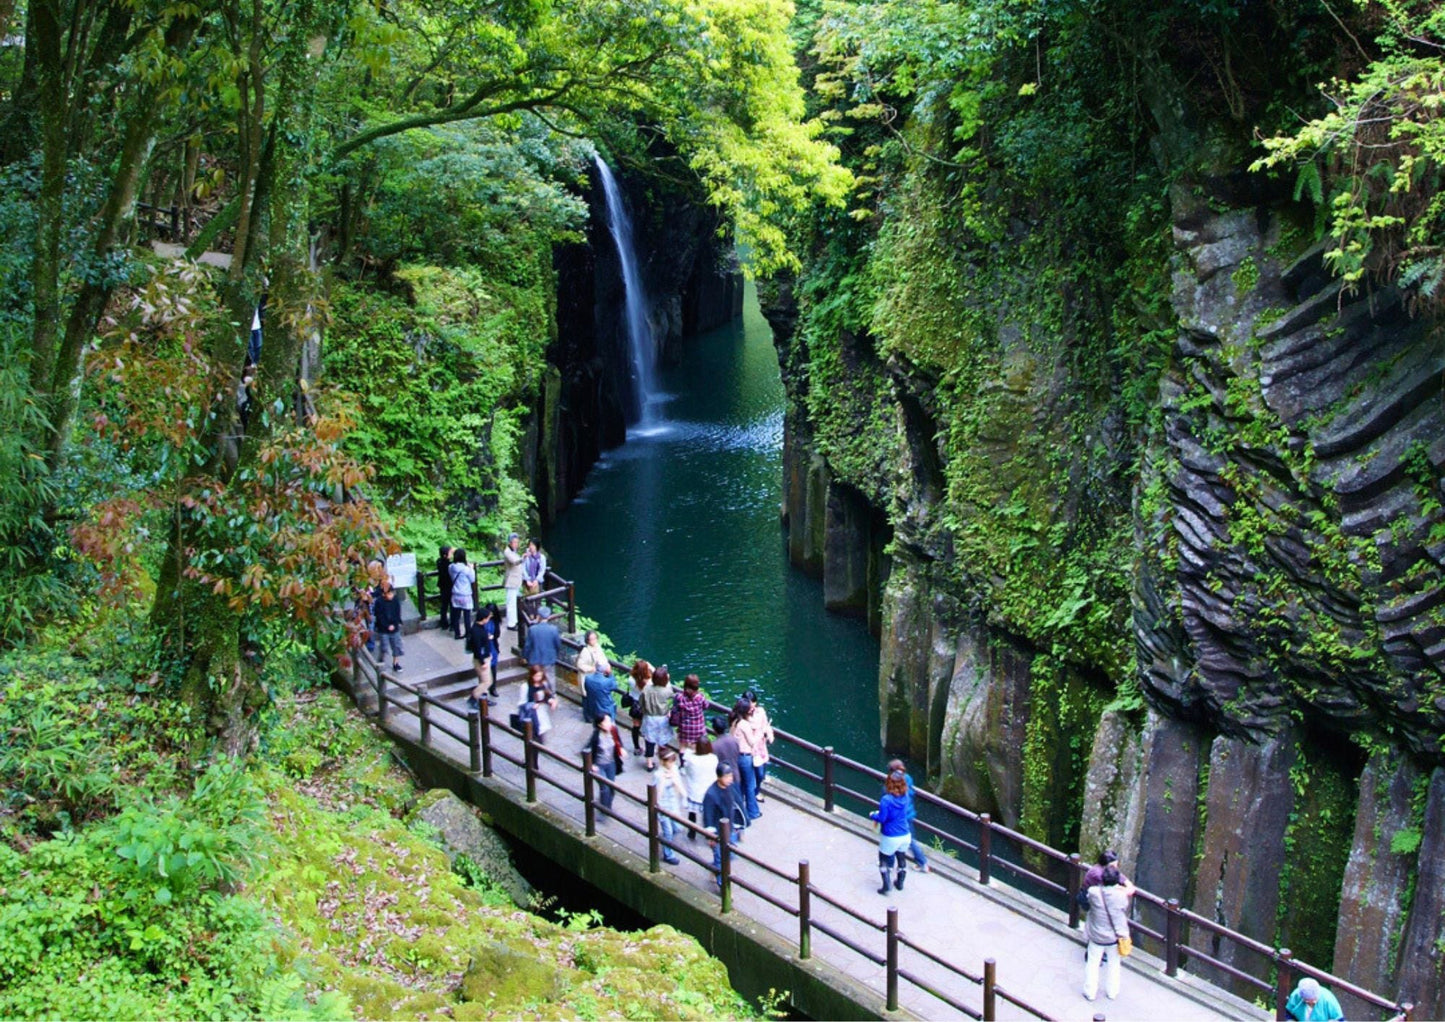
{"x": 1039, "y": 959}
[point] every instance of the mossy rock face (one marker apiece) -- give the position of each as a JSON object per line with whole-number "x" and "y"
{"x": 463, "y": 833}
{"x": 503, "y": 975}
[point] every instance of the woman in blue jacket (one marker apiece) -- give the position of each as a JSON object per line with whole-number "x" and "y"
{"x": 892, "y": 819}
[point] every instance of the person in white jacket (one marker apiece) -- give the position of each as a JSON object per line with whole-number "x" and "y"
{"x": 512, "y": 577}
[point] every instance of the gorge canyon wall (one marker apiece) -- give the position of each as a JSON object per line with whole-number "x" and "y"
{"x": 1153, "y": 535}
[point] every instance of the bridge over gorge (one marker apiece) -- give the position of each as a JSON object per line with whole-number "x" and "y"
{"x": 991, "y": 933}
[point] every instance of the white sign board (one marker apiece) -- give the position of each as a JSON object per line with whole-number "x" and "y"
{"x": 401, "y": 569}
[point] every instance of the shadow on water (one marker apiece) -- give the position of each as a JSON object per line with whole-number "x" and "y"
{"x": 677, "y": 551}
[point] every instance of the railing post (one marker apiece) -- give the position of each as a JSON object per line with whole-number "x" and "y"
{"x": 423, "y": 712}
{"x": 421, "y": 596}
{"x": 485, "y": 712}
{"x": 571, "y": 609}
{"x": 381, "y": 695}
{"x": 474, "y": 739}
{"x": 892, "y": 957}
{"x": 985, "y": 846}
{"x": 827, "y": 778}
{"x": 1284, "y": 981}
{"x": 1172, "y": 925}
{"x": 1075, "y": 882}
{"x": 529, "y": 761}
{"x": 654, "y": 840}
{"x": 589, "y": 795}
{"x": 990, "y": 999}
{"x": 725, "y": 866}
{"x": 1407, "y": 1011}
{"x": 805, "y": 912}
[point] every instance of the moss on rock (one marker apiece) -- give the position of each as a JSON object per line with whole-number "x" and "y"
{"x": 368, "y": 907}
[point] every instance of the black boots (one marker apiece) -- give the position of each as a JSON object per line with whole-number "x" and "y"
{"x": 886, "y": 861}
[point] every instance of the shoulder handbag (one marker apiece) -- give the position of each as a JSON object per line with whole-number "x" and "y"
{"x": 1126, "y": 944}
{"x": 617, "y": 744}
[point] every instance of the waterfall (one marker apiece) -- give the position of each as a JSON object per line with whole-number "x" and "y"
{"x": 639, "y": 331}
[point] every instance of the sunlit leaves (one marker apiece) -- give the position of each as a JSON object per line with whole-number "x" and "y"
{"x": 1381, "y": 148}
{"x": 273, "y": 539}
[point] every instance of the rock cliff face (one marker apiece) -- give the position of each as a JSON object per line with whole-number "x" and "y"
{"x": 1265, "y": 755}
{"x": 692, "y": 286}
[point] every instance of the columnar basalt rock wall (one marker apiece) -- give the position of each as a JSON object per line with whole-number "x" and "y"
{"x": 1286, "y": 604}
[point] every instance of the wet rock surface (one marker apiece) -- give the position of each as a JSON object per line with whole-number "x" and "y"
{"x": 1247, "y": 812}
{"x": 1372, "y": 899}
{"x": 1422, "y": 949}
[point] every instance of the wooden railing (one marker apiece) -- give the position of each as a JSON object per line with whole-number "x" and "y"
{"x": 1276, "y": 970}
{"x": 1170, "y": 940}
{"x": 477, "y": 731}
{"x": 559, "y": 592}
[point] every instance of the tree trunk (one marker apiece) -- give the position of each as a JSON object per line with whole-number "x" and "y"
{"x": 221, "y": 668}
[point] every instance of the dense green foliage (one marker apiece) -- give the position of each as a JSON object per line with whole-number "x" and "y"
{"x": 186, "y": 514}
{"x": 143, "y": 882}
{"x": 988, "y": 343}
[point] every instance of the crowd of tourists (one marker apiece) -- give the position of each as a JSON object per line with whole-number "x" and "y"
{"x": 709, "y": 771}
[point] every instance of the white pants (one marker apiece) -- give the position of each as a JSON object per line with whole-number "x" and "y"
{"x": 1111, "y": 970}
{"x": 512, "y": 607}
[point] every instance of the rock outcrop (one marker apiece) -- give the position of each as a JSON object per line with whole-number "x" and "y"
{"x": 461, "y": 832}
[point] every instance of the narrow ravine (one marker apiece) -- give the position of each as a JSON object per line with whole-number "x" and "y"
{"x": 676, "y": 549}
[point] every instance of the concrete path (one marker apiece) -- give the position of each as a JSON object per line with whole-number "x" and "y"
{"x": 1039, "y": 959}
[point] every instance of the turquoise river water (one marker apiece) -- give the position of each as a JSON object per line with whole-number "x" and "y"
{"x": 676, "y": 549}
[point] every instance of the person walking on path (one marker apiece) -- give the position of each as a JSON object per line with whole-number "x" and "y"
{"x": 641, "y": 678}
{"x": 543, "y": 646}
{"x": 689, "y": 713}
{"x": 482, "y": 644}
{"x": 671, "y": 798}
{"x": 893, "y": 834}
{"x": 512, "y": 577}
{"x": 717, "y": 805}
{"x": 1106, "y": 924}
{"x": 1310, "y": 1002}
{"x": 464, "y": 581}
{"x": 748, "y": 737}
{"x": 539, "y": 699}
{"x": 761, "y": 755}
{"x": 388, "y": 625}
{"x": 914, "y": 848}
{"x": 699, "y": 770}
{"x": 444, "y": 588}
{"x": 656, "y": 703}
{"x": 606, "y": 747}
